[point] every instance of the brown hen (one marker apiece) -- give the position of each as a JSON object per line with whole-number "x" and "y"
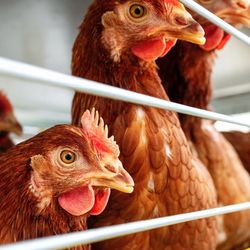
{"x": 8, "y": 123}
{"x": 241, "y": 143}
{"x": 186, "y": 74}
{"x": 51, "y": 183}
{"x": 118, "y": 44}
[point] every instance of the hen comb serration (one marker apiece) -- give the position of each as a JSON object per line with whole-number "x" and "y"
{"x": 173, "y": 2}
{"x": 5, "y": 104}
{"x": 97, "y": 131}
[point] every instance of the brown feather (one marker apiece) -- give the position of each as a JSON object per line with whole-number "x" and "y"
{"x": 19, "y": 213}
{"x": 5, "y": 143}
{"x": 241, "y": 143}
{"x": 8, "y": 123}
{"x": 154, "y": 150}
{"x": 186, "y": 74}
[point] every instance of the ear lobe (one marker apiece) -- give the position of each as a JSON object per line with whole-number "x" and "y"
{"x": 111, "y": 39}
{"x": 108, "y": 19}
{"x": 38, "y": 163}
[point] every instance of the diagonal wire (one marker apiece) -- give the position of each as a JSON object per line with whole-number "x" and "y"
{"x": 32, "y": 73}
{"x": 39, "y": 75}
{"x": 216, "y": 20}
{"x": 111, "y": 232}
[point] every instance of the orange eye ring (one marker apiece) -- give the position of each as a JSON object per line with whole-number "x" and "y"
{"x": 68, "y": 156}
{"x": 206, "y": 1}
{"x": 137, "y": 11}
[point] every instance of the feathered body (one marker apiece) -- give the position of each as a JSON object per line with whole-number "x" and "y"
{"x": 20, "y": 215}
{"x": 154, "y": 150}
{"x": 8, "y": 123}
{"x": 5, "y": 142}
{"x": 241, "y": 143}
{"x": 186, "y": 75}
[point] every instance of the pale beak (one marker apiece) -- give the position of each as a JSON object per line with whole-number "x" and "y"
{"x": 240, "y": 5}
{"x": 192, "y": 32}
{"x": 10, "y": 124}
{"x": 120, "y": 181}
{"x": 241, "y": 18}
{"x": 184, "y": 27}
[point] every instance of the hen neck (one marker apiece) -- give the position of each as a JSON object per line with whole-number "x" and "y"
{"x": 186, "y": 75}
{"x": 129, "y": 73}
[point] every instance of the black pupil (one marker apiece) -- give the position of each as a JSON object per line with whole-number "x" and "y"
{"x": 138, "y": 11}
{"x": 68, "y": 157}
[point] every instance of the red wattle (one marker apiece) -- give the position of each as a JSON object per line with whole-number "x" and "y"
{"x": 216, "y": 38}
{"x": 78, "y": 201}
{"x": 152, "y": 49}
{"x": 101, "y": 201}
{"x": 83, "y": 200}
{"x": 169, "y": 45}
{"x": 224, "y": 41}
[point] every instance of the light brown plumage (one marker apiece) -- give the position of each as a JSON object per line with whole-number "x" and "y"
{"x": 8, "y": 123}
{"x": 241, "y": 143}
{"x": 168, "y": 178}
{"x": 186, "y": 74}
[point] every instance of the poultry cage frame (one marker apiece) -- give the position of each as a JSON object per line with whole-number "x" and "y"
{"x": 38, "y": 75}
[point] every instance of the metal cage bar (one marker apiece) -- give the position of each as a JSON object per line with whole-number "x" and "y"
{"x": 39, "y": 75}
{"x": 216, "y": 20}
{"x": 111, "y": 232}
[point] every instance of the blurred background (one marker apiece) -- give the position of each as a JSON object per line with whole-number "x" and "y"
{"x": 42, "y": 33}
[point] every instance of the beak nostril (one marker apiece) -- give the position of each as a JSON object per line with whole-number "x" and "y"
{"x": 195, "y": 27}
{"x": 242, "y": 5}
{"x": 111, "y": 168}
{"x": 181, "y": 20}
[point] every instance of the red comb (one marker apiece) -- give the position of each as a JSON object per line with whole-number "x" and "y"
{"x": 5, "y": 105}
{"x": 97, "y": 131}
{"x": 173, "y": 2}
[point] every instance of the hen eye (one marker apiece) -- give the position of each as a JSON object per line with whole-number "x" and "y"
{"x": 137, "y": 11}
{"x": 68, "y": 157}
{"x": 206, "y": 1}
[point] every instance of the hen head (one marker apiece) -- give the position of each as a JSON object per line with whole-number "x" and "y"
{"x": 77, "y": 168}
{"x": 148, "y": 29}
{"x": 235, "y": 12}
{"x": 8, "y": 121}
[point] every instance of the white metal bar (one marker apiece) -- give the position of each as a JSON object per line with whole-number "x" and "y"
{"x": 105, "y": 233}
{"x": 222, "y": 127}
{"x": 40, "y": 75}
{"x": 216, "y": 20}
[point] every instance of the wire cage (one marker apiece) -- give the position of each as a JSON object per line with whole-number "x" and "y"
{"x": 36, "y": 75}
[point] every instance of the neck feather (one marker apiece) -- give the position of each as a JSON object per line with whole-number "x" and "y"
{"x": 91, "y": 60}
{"x": 186, "y": 74}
